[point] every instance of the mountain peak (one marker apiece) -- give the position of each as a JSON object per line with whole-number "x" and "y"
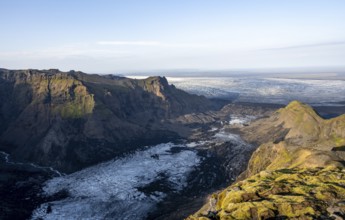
{"x": 298, "y": 106}
{"x": 158, "y": 85}
{"x": 299, "y": 115}
{"x": 298, "y": 135}
{"x": 160, "y": 79}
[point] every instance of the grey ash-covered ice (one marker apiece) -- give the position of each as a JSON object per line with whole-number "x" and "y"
{"x": 113, "y": 189}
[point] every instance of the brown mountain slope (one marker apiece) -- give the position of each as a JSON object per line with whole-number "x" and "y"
{"x": 296, "y": 173}
{"x": 70, "y": 120}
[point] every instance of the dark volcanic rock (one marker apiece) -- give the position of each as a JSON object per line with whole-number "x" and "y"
{"x": 70, "y": 120}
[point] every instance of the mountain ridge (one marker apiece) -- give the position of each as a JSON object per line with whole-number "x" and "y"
{"x": 70, "y": 120}
{"x": 303, "y": 132}
{"x": 297, "y": 172}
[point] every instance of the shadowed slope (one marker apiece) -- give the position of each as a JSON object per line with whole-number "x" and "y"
{"x": 70, "y": 120}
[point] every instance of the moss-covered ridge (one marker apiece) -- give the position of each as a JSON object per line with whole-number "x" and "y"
{"x": 299, "y": 124}
{"x": 287, "y": 193}
{"x": 297, "y": 172}
{"x": 296, "y": 136}
{"x": 306, "y": 125}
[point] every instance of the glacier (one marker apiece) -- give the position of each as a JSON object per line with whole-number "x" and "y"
{"x": 265, "y": 90}
{"x": 114, "y": 189}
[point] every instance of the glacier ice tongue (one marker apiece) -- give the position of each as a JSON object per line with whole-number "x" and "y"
{"x": 112, "y": 189}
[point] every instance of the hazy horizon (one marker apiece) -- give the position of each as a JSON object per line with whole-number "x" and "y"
{"x": 154, "y": 36}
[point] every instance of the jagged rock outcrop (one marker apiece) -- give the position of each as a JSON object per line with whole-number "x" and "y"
{"x": 297, "y": 172}
{"x": 70, "y": 120}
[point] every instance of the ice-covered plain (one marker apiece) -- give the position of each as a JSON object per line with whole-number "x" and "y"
{"x": 120, "y": 189}
{"x": 265, "y": 90}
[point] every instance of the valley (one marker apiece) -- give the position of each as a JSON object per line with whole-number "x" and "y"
{"x": 172, "y": 110}
{"x": 116, "y": 148}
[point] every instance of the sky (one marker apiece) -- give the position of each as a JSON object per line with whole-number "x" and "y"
{"x": 113, "y": 36}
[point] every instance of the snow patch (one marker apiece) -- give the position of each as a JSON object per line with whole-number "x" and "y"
{"x": 225, "y": 136}
{"x": 196, "y": 144}
{"x": 241, "y": 119}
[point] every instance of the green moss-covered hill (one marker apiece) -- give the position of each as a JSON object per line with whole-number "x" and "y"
{"x": 70, "y": 120}
{"x": 308, "y": 193}
{"x": 297, "y": 172}
{"x": 296, "y": 136}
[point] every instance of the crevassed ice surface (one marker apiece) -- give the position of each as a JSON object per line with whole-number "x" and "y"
{"x": 111, "y": 190}
{"x": 265, "y": 90}
{"x": 241, "y": 119}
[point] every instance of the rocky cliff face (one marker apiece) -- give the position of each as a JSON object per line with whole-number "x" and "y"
{"x": 297, "y": 172}
{"x": 70, "y": 120}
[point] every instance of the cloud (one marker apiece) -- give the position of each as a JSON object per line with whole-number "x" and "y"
{"x": 323, "y": 44}
{"x": 153, "y": 44}
{"x": 130, "y": 43}
{"x": 63, "y": 52}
